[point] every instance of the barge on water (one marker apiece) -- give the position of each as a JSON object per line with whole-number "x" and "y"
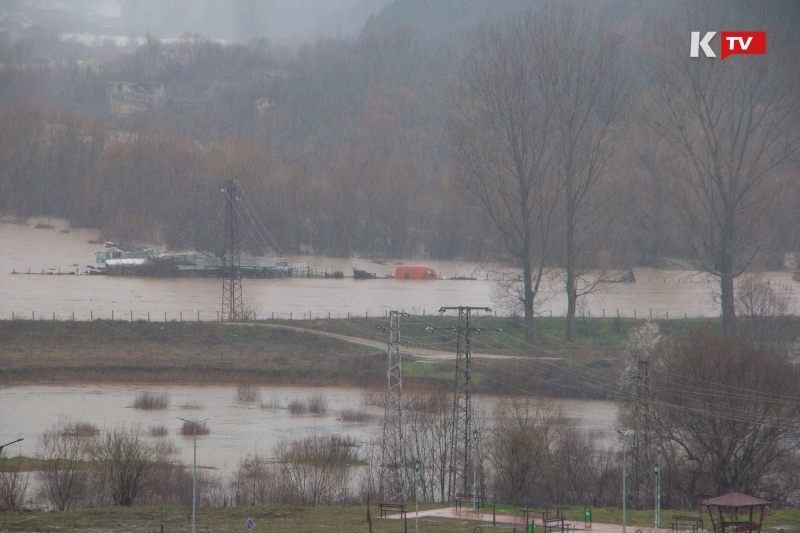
{"x": 140, "y": 261}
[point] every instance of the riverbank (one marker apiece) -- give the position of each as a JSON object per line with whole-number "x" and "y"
{"x": 344, "y": 352}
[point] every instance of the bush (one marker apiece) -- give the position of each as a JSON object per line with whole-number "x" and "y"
{"x": 247, "y": 393}
{"x": 80, "y": 429}
{"x": 158, "y": 431}
{"x": 296, "y": 406}
{"x": 151, "y": 400}
{"x": 273, "y": 403}
{"x": 353, "y": 415}
{"x": 192, "y": 405}
{"x": 187, "y": 429}
{"x": 317, "y": 403}
{"x": 125, "y": 464}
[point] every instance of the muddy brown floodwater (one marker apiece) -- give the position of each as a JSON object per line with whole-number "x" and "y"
{"x": 25, "y": 248}
{"x": 236, "y": 429}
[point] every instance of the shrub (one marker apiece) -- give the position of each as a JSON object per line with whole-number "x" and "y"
{"x": 317, "y": 403}
{"x": 187, "y": 429}
{"x": 192, "y": 405}
{"x": 247, "y": 393}
{"x": 80, "y": 430}
{"x": 353, "y": 415}
{"x": 151, "y": 400}
{"x": 297, "y": 406}
{"x": 158, "y": 431}
{"x": 273, "y": 403}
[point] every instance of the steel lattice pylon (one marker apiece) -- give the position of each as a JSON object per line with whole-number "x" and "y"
{"x": 232, "y": 306}
{"x": 461, "y": 455}
{"x": 392, "y": 480}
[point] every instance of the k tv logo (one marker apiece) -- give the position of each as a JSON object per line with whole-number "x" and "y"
{"x": 731, "y": 42}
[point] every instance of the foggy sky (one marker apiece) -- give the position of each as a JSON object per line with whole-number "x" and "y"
{"x": 287, "y": 22}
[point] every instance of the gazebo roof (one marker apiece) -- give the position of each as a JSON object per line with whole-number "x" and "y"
{"x": 735, "y": 499}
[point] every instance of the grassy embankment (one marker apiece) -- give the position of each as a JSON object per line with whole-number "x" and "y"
{"x": 336, "y": 519}
{"x": 215, "y": 353}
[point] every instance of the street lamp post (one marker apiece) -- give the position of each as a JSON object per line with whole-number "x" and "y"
{"x": 474, "y": 471}
{"x": 416, "y": 497}
{"x": 194, "y": 469}
{"x": 657, "y": 470}
{"x": 9, "y": 444}
{"x": 624, "y": 478}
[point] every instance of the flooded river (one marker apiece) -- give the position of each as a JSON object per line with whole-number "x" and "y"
{"x": 236, "y": 429}
{"x": 25, "y": 248}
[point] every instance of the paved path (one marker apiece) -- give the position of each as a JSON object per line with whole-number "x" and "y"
{"x": 484, "y": 515}
{"x": 381, "y": 345}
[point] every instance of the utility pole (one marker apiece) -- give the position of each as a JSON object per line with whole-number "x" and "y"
{"x": 392, "y": 480}
{"x": 461, "y": 431}
{"x": 232, "y": 306}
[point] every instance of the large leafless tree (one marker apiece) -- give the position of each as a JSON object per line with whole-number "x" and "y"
{"x": 731, "y": 125}
{"x": 536, "y": 124}
{"x": 500, "y": 141}
{"x": 579, "y": 72}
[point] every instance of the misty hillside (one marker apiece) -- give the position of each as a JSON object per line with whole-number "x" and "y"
{"x": 342, "y": 142}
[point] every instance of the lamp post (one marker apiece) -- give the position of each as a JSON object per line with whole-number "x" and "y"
{"x": 416, "y": 497}
{"x": 657, "y": 470}
{"x": 624, "y": 478}
{"x": 474, "y": 471}
{"x": 10, "y": 443}
{"x": 194, "y": 469}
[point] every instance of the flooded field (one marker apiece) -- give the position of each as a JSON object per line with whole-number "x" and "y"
{"x": 25, "y": 248}
{"x": 236, "y": 429}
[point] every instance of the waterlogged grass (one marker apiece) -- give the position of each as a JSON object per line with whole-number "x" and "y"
{"x": 331, "y": 519}
{"x": 591, "y": 334}
{"x": 174, "y": 352}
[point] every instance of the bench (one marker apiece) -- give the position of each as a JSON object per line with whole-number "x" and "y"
{"x": 558, "y": 522}
{"x": 463, "y": 498}
{"x": 392, "y": 508}
{"x": 685, "y": 523}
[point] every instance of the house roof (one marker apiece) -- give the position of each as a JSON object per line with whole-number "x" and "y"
{"x": 735, "y": 499}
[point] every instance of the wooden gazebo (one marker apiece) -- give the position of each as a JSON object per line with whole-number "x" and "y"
{"x": 734, "y": 513}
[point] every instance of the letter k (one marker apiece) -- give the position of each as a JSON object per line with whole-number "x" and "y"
{"x": 697, "y": 44}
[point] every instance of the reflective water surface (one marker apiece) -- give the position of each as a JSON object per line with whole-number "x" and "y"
{"x": 25, "y": 248}
{"x": 236, "y": 429}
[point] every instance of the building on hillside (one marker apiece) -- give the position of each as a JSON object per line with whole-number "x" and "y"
{"x": 125, "y": 98}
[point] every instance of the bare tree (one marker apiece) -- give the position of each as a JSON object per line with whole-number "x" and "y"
{"x": 578, "y": 72}
{"x": 519, "y": 449}
{"x": 428, "y": 437}
{"x": 763, "y": 315}
{"x": 63, "y": 474}
{"x": 13, "y": 487}
{"x": 731, "y": 125}
{"x": 499, "y": 135}
{"x": 727, "y": 413}
{"x": 315, "y": 470}
{"x": 125, "y": 463}
{"x": 536, "y": 124}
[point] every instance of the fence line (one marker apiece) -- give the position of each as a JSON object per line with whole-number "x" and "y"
{"x": 207, "y": 315}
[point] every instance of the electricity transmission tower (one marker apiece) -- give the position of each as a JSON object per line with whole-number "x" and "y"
{"x": 392, "y": 480}
{"x": 461, "y": 431}
{"x": 641, "y": 437}
{"x": 232, "y": 306}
